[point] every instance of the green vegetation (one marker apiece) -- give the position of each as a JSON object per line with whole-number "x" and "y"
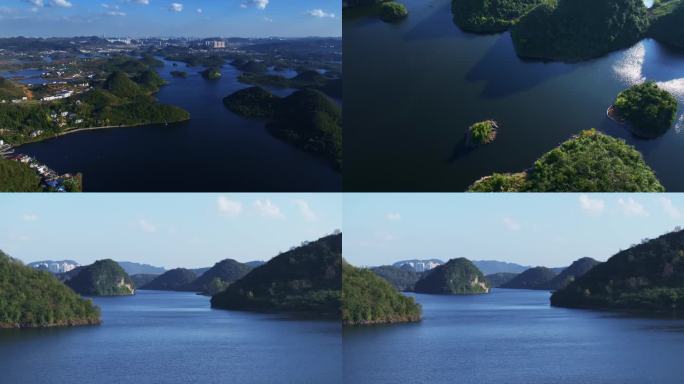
{"x": 667, "y": 23}
{"x": 533, "y": 278}
{"x": 9, "y": 90}
{"x": 18, "y": 177}
{"x": 150, "y": 81}
{"x": 573, "y": 30}
{"x": 455, "y": 277}
{"x": 213, "y": 73}
{"x": 141, "y": 279}
{"x": 480, "y": 133}
{"x": 648, "y": 276}
{"x": 102, "y": 278}
{"x": 198, "y": 60}
{"x": 181, "y": 74}
{"x": 649, "y": 110}
{"x": 250, "y": 66}
{"x": 368, "y": 299}
{"x": 403, "y": 279}
{"x": 173, "y": 280}
{"x": 489, "y": 16}
{"x": 305, "y": 279}
{"x": 392, "y": 11}
{"x": 32, "y": 298}
{"x": 496, "y": 280}
{"x": 252, "y": 102}
{"x": 218, "y": 277}
{"x": 305, "y": 79}
{"x": 589, "y": 162}
{"x": 307, "y": 118}
{"x": 576, "y": 270}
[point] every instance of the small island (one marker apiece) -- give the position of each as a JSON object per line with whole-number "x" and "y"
{"x": 533, "y": 278}
{"x": 306, "y": 279}
{"x": 645, "y": 277}
{"x": 490, "y": 16}
{"x": 30, "y": 298}
{"x": 481, "y": 133}
{"x": 102, "y": 278}
{"x": 589, "y": 162}
{"x": 455, "y": 277}
{"x": 368, "y": 299}
{"x": 307, "y": 119}
{"x": 181, "y": 74}
{"x": 645, "y": 109}
{"x": 213, "y": 73}
{"x": 575, "y": 30}
{"x": 392, "y": 11}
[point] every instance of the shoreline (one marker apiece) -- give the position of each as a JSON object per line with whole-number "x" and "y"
{"x": 77, "y": 130}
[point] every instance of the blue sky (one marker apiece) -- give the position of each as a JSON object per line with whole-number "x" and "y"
{"x": 195, "y": 18}
{"x": 531, "y": 229}
{"x": 170, "y": 230}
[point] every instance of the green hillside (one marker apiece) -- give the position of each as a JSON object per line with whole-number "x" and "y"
{"x": 173, "y": 280}
{"x": 533, "y": 278}
{"x": 102, "y": 278}
{"x": 455, "y": 277}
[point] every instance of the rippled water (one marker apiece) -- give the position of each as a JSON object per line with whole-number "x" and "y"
{"x": 172, "y": 337}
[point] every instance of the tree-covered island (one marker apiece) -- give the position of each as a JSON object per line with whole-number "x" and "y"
{"x": 490, "y": 16}
{"x": 647, "y": 110}
{"x": 588, "y": 162}
{"x": 388, "y": 11}
{"x": 455, "y": 277}
{"x": 307, "y": 118}
{"x": 30, "y": 298}
{"x": 368, "y": 299}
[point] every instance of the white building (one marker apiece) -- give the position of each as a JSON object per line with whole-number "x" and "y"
{"x": 216, "y": 44}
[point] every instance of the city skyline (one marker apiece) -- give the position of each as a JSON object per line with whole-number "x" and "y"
{"x": 551, "y": 230}
{"x": 170, "y": 231}
{"x": 145, "y": 18}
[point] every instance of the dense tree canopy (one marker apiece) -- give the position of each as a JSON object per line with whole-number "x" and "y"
{"x": 222, "y": 274}
{"x": 392, "y": 11}
{"x": 9, "y": 90}
{"x": 574, "y": 30}
{"x": 533, "y": 278}
{"x": 647, "y": 276}
{"x": 649, "y": 110}
{"x": 18, "y": 177}
{"x": 455, "y": 277}
{"x": 667, "y": 23}
{"x": 403, "y": 279}
{"x": 305, "y": 279}
{"x": 369, "y": 299}
{"x": 102, "y": 278}
{"x": 33, "y": 298}
{"x": 589, "y": 162}
{"x": 174, "y": 280}
{"x": 487, "y": 16}
{"x": 576, "y": 270}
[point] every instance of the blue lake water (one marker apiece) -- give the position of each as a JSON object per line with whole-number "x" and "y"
{"x": 423, "y": 81}
{"x": 172, "y": 337}
{"x": 216, "y": 151}
{"x": 515, "y": 337}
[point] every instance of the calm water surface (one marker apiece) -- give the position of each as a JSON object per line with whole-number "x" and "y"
{"x": 164, "y": 337}
{"x": 515, "y": 337}
{"x": 413, "y": 88}
{"x": 213, "y": 152}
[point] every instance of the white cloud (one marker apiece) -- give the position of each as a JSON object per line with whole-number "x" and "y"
{"x": 229, "y": 207}
{"x": 259, "y": 4}
{"x": 510, "y": 224}
{"x": 146, "y": 226}
{"x": 268, "y": 19}
{"x": 669, "y": 208}
{"x": 267, "y": 209}
{"x": 320, "y": 13}
{"x": 199, "y": 10}
{"x": 35, "y": 3}
{"x": 394, "y": 216}
{"x": 591, "y": 206}
{"x": 115, "y": 13}
{"x": 143, "y": 2}
{"x": 29, "y": 217}
{"x": 60, "y": 3}
{"x": 305, "y": 210}
{"x": 631, "y": 207}
{"x": 176, "y": 7}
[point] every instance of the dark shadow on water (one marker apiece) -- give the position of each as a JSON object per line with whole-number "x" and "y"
{"x": 460, "y": 151}
{"x": 506, "y": 74}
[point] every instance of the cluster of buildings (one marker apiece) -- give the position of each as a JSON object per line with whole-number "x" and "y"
{"x": 419, "y": 265}
{"x": 49, "y": 178}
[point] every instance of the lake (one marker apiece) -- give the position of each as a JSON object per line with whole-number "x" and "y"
{"x": 216, "y": 151}
{"x": 413, "y": 88}
{"x": 514, "y": 337}
{"x": 170, "y": 337}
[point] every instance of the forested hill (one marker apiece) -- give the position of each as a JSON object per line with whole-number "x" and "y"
{"x": 305, "y": 279}
{"x": 33, "y": 298}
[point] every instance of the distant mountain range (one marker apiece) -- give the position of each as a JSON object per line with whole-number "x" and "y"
{"x": 133, "y": 268}
{"x": 490, "y": 267}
